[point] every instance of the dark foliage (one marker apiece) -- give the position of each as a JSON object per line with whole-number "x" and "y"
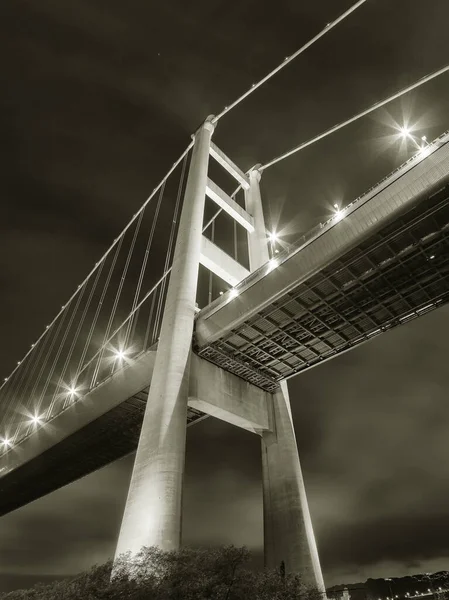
{"x": 187, "y": 574}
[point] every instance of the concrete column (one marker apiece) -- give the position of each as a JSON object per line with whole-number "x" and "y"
{"x": 153, "y": 509}
{"x": 288, "y": 532}
{"x": 257, "y": 241}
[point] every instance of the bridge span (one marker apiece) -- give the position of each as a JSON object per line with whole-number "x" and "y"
{"x": 378, "y": 263}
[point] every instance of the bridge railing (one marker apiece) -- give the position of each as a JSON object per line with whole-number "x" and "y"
{"x": 322, "y": 228}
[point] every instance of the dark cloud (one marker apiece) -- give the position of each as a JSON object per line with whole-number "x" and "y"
{"x": 98, "y": 99}
{"x": 373, "y": 459}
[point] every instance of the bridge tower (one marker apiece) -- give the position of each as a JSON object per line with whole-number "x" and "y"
{"x": 153, "y": 511}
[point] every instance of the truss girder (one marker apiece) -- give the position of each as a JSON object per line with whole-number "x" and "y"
{"x": 394, "y": 276}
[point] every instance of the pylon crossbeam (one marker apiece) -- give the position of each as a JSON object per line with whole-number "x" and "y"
{"x": 230, "y": 206}
{"x": 229, "y": 166}
{"x": 216, "y": 260}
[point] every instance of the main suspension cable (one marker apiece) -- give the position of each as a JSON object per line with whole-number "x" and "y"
{"x": 354, "y": 118}
{"x": 289, "y": 59}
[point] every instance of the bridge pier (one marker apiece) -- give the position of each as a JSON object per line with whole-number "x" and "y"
{"x": 288, "y": 532}
{"x": 153, "y": 509}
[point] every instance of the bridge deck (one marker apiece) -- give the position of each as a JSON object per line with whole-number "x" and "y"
{"x": 99, "y": 429}
{"x": 384, "y": 264}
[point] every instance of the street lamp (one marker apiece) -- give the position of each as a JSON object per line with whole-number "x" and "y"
{"x": 36, "y": 420}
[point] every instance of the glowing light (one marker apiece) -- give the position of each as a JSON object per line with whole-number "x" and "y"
{"x": 233, "y": 293}
{"x": 405, "y": 132}
{"x": 221, "y": 293}
{"x": 6, "y": 442}
{"x": 424, "y": 151}
{"x": 72, "y": 391}
{"x": 120, "y": 354}
{"x": 36, "y": 420}
{"x": 424, "y": 138}
{"x": 273, "y": 263}
{"x": 273, "y": 237}
{"x": 432, "y": 256}
{"x": 339, "y": 213}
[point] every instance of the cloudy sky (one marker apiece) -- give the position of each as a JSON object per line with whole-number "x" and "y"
{"x": 97, "y": 100}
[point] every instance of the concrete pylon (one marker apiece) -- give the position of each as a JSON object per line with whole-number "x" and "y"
{"x": 288, "y": 532}
{"x": 153, "y": 509}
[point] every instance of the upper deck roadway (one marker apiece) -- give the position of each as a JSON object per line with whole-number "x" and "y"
{"x": 381, "y": 263}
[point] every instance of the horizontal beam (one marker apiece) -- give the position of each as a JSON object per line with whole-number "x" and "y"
{"x": 230, "y": 167}
{"x": 229, "y": 205}
{"x": 227, "y": 397}
{"x": 220, "y": 263}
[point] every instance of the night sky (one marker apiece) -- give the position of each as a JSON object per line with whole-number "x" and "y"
{"x": 97, "y": 100}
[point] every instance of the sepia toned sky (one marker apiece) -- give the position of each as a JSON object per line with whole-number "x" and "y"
{"x": 97, "y": 99}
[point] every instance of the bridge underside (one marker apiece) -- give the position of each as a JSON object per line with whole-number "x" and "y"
{"x": 309, "y": 309}
{"x": 111, "y": 436}
{"x": 394, "y": 276}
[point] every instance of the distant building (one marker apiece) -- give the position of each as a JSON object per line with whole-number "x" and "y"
{"x": 338, "y": 594}
{"x": 422, "y": 586}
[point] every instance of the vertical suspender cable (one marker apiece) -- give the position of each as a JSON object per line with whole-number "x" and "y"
{"x": 157, "y": 291}
{"x": 149, "y": 243}
{"x": 74, "y": 341}
{"x": 12, "y": 393}
{"x": 47, "y": 356}
{"x": 150, "y": 317}
{"x": 29, "y": 381}
{"x": 61, "y": 346}
{"x": 117, "y": 297}
{"x": 105, "y": 288}
{"x": 132, "y": 322}
{"x": 91, "y": 330}
{"x": 236, "y": 256}
{"x": 169, "y": 256}
{"x": 212, "y": 235}
{"x": 108, "y": 251}
{"x": 52, "y": 335}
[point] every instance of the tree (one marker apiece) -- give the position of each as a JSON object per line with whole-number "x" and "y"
{"x": 186, "y": 574}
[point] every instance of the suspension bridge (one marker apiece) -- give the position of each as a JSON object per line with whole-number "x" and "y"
{"x": 168, "y": 329}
